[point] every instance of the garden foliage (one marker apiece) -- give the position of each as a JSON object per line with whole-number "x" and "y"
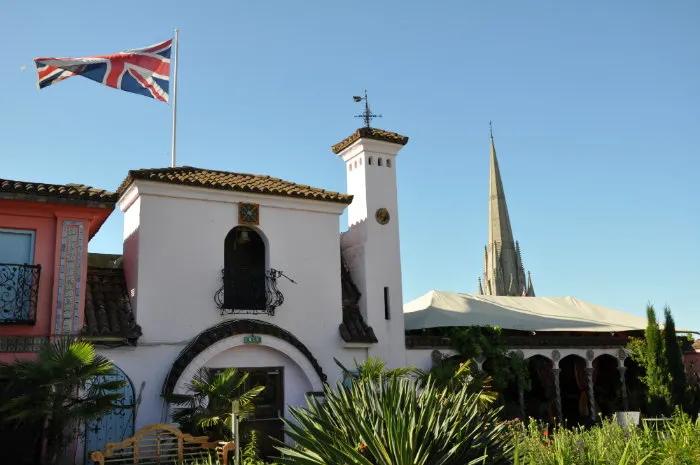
{"x": 66, "y": 386}
{"x": 394, "y": 422}
{"x": 676, "y": 442}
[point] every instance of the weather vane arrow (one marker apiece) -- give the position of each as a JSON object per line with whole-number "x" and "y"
{"x": 367, "y": 115}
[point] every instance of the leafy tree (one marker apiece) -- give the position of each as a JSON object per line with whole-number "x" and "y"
{"x": 63, "y": 388}
{"x": 395, "y": 421}
{"x": 674, "y": 360}
{"x": 206, "y": 408}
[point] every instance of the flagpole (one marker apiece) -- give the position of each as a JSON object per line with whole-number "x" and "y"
{"x": 177, "y": 49}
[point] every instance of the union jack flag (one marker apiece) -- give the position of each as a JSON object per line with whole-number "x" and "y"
{"x": 144, "y": 71}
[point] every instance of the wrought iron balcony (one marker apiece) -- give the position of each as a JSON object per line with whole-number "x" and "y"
{"x": 19, "y": 291}
{"x": 249, "y": 291}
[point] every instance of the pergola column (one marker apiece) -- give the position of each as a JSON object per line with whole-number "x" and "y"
{"x": 556, "y": 356}
{"x": 590, "y": 356}
{"x": 557, "y": 390}
{"x": 623, "y": 383}
{"x": 521, "y": 400}
{"x": 591, "y": 394}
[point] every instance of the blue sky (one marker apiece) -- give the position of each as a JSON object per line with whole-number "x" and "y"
{"x": 595, "y": 106}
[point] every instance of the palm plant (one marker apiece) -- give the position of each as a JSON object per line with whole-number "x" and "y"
{"x": 206, "y": 407}
{"x": 62, "y": 388}
{"x": 450, "y": 374}
{"x": 396, "y": 422}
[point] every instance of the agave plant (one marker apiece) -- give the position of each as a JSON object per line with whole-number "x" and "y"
{"x": 396, "y": 422}
{"x": 206, "y": 407}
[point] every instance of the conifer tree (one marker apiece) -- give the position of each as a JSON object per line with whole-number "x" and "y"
{"x": 674, "y": 359}
{"x": 658, "y": 395}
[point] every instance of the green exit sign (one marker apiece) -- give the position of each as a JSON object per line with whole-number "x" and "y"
{"x": 252, "y": 340}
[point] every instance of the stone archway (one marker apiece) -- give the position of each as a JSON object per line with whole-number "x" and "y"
{"x": 607, "y": 385}
{"x": 540, "y": 399}
{"x": 229, "y": 334}
{"x": 573, "y": 382}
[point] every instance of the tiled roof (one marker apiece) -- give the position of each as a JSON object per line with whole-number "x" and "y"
{"x": 370, "y": 133}
{"x": 108, "y": 313}
{"x": 228, "y": 181}
{"x": 69, "y": 193}
{"x": 353, "y": 328}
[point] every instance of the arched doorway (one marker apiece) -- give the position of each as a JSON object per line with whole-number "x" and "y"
{"x": 274, "y": 358}
{"x": 573, "y": 385}
{"x": 607, "y": 385}
{"x": 118, "y": 424}
{"x": 540, "y": 398}
{"x": 244, "y": 270}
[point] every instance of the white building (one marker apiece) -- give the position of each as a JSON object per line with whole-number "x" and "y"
{"x": 238, "y": 270}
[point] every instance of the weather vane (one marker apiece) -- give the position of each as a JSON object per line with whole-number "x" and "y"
{"x": 367, "y": 115}
{"x": 491, "y": 129}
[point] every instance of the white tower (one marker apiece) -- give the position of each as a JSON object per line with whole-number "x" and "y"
{"x": 371, "y": 245}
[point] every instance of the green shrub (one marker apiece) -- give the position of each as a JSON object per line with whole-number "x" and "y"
{"x": 675, "y": 443}
{"x": 394, "y": 422}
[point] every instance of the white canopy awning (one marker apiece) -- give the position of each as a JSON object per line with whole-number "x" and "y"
{"x": 442, "y": 309}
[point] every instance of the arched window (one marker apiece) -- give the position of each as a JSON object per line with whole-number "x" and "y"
{"x": 244, "y": 270}
{"x": 369, "y": 160}
{"x": 388, "y": 163}
{"x": 379, "y": 162}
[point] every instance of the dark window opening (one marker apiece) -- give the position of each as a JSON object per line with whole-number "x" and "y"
{"x": 388, "y": 163}
{"x": 379, "y": 162}
{"x": 244, "y": 270}
{"x": 387, "y": 310}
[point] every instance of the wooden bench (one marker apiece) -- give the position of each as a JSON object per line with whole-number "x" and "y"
{"x": 162, "y": 444}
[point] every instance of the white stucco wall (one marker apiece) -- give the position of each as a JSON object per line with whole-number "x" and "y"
{"x": 422, "y": 358}
{"x": 373, "y": 250}
{"x": 174, "y": 254}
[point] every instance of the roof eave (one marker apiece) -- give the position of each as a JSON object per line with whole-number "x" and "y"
{"x": 343, "y": 199}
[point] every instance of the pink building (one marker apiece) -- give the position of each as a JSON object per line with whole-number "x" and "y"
{"x": 44, "y": 234}
{"x": 692, "y": 360}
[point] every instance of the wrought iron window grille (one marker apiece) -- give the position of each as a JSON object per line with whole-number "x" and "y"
{"x": 251, "y": 293}
{"x": 19, "y": 292}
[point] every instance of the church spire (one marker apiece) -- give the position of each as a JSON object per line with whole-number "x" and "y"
{"x": 504, "y": 274}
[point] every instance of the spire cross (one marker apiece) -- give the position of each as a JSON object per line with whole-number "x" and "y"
{"x": 367, "y": 115}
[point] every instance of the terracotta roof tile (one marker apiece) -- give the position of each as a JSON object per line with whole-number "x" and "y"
{"x": 370, "y": 133}
{"x": 228, "y": 181}
{"x": 23, "y": 190}
{"x": 353, "y": 328}
{"x": 108, "y": 312}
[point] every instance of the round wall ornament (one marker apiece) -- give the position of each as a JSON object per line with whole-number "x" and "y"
{"x": 382, "y": 216}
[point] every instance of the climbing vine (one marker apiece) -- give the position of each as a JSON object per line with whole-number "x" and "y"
{"x": 499, "y": 363}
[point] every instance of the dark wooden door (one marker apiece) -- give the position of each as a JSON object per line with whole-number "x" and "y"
{"x": 269, "y": 409}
